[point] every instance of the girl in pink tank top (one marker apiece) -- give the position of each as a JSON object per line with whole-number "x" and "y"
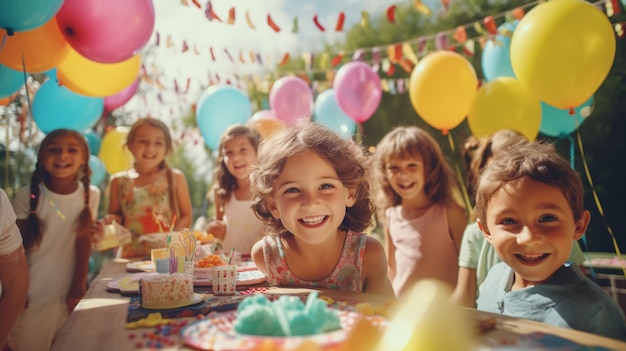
{"x": 310, "y": 189}
{"x": 423, "y": 222}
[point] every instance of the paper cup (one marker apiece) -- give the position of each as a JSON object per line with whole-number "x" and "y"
{"x": 224, "y": 280}
{"x": 163, "y": 265}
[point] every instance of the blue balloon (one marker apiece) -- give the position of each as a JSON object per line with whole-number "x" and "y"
{"x": 219, "y": 107}
{"x": 98, "y": 172}
{"x": 23, "y": 15}
{"x": 94, "y": 141}
{"x": 556, "y": 122}
{"x": 10, "y": 81}
{"x": 329, "y": 114}
{"x": 496, "y": 58}
{"x": 55, "y": 107}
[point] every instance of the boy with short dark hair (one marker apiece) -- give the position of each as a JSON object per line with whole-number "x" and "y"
{"x": 529, "y": 204}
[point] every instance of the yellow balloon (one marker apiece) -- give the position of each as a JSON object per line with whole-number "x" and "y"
{"x": 563, "y": 50}
{"x": 42, "y": 48}
{"x": 423, "y": 318}
{"x": 505, "y": 103}
{"x": 441, "y": 88}
{"x": 114, "y": 155}
{"x": 90, "y": 78}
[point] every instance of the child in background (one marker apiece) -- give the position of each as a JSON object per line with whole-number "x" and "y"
{"x": 423, "y": 221}
{"x": 146, "y": 198}
{"x": 310, "y": 189}
{"x": 55, "y": 215}
{"x": 13, "y": 270}
{"x": 529, "y": 204}
{"x": 235, "y": 223}
{"x": 477, "y": 255}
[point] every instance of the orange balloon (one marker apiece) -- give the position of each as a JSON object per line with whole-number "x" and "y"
{"x": 91, "y": 78}
{"x": 5, "y": 101}
{"x": 42, "y": 48}
{"x": 267, "y": 126}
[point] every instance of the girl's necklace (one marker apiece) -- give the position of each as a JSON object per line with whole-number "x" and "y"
{"x": 54, "y": 205}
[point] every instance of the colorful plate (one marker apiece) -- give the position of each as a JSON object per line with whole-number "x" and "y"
{"x": 140, "y": 266}
{"x": 216, "y": 332}
{"x": 128, "y": 284}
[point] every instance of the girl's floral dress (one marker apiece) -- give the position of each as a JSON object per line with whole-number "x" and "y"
{"x": 146, "y": 210}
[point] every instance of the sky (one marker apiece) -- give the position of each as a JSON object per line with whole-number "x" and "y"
{"x": 189, "y": 25}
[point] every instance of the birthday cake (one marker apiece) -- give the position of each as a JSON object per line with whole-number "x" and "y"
{"x": 166, "y": 291}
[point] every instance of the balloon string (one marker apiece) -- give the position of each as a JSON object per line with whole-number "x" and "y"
{"x": 466, "y": 199}
{"x": 30, "y": 111}
{"x": 583, "y": 238}
{"x": 597, "y": 198}
{"x": 4, "y": 40}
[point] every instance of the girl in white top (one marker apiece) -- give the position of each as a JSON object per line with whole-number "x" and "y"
{"x": 55, "y": 215}
{"x": 235, "y": 223}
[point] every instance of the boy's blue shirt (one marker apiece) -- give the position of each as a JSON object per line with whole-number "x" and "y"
{"x": 569, "y": 299}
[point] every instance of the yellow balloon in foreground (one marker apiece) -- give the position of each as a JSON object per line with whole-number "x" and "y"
{"x": 114, "y": 155}
{"x": 441, "y": 88}
{"x": 563, "y": 50}
{"x": 424, "y": 319}
{"x": 505, "y": 103}
{"x": 90, "y": 78}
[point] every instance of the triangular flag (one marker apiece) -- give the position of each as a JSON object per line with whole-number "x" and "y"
{"x": 272, "y": 24}
{"x": 317, "y": 23}
{"x": 421, "y": 7}
{"x": 365, "y": 19}
{"x": 340, "y": 21}
{"x": 391, "y": 13}
{"x": 231, "y": 16}
{"x": 408, "y": 52}
{"x": 249, "y": 21}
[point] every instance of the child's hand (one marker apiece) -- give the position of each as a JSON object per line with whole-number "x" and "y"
{"x": 97, "y": 231}
{"x": 217, "y": 228}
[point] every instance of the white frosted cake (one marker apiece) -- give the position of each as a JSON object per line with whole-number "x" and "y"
{"x": 166, "y": 290}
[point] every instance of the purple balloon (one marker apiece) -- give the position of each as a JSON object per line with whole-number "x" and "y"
{"x": 107, "y": 31}
{"x": 357, "y": 90}
{"x": 291, "y": 98}
{"x": 116, "y": 100}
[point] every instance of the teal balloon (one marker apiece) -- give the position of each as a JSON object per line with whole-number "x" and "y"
{"x": 496, "y": 57}
{"x": 98, "y": 172}
{"x": 23, "y": 15}
{"x": 94, "y": 141}
{"x": 219, "y": 107}
{"x": 55, "y": 107}
{"x": 556, "y": 122}
{"x": 10, "y": 81}
{"x": 328, "y": 113}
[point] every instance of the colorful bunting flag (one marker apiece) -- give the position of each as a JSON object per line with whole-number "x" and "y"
{"x": 317, "y": 23}
{"x": 249, "y": 21}
{"x": 340, "y": 21}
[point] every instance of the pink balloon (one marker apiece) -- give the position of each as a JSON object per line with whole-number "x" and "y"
{"x": 357, "y": 90}
{"x": 116, "y": 100}
{"x": 107, "y": 31}
{"x": 291, "y": 98}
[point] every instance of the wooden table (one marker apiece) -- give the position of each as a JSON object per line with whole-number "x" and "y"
{"x": 99, "y": 322}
